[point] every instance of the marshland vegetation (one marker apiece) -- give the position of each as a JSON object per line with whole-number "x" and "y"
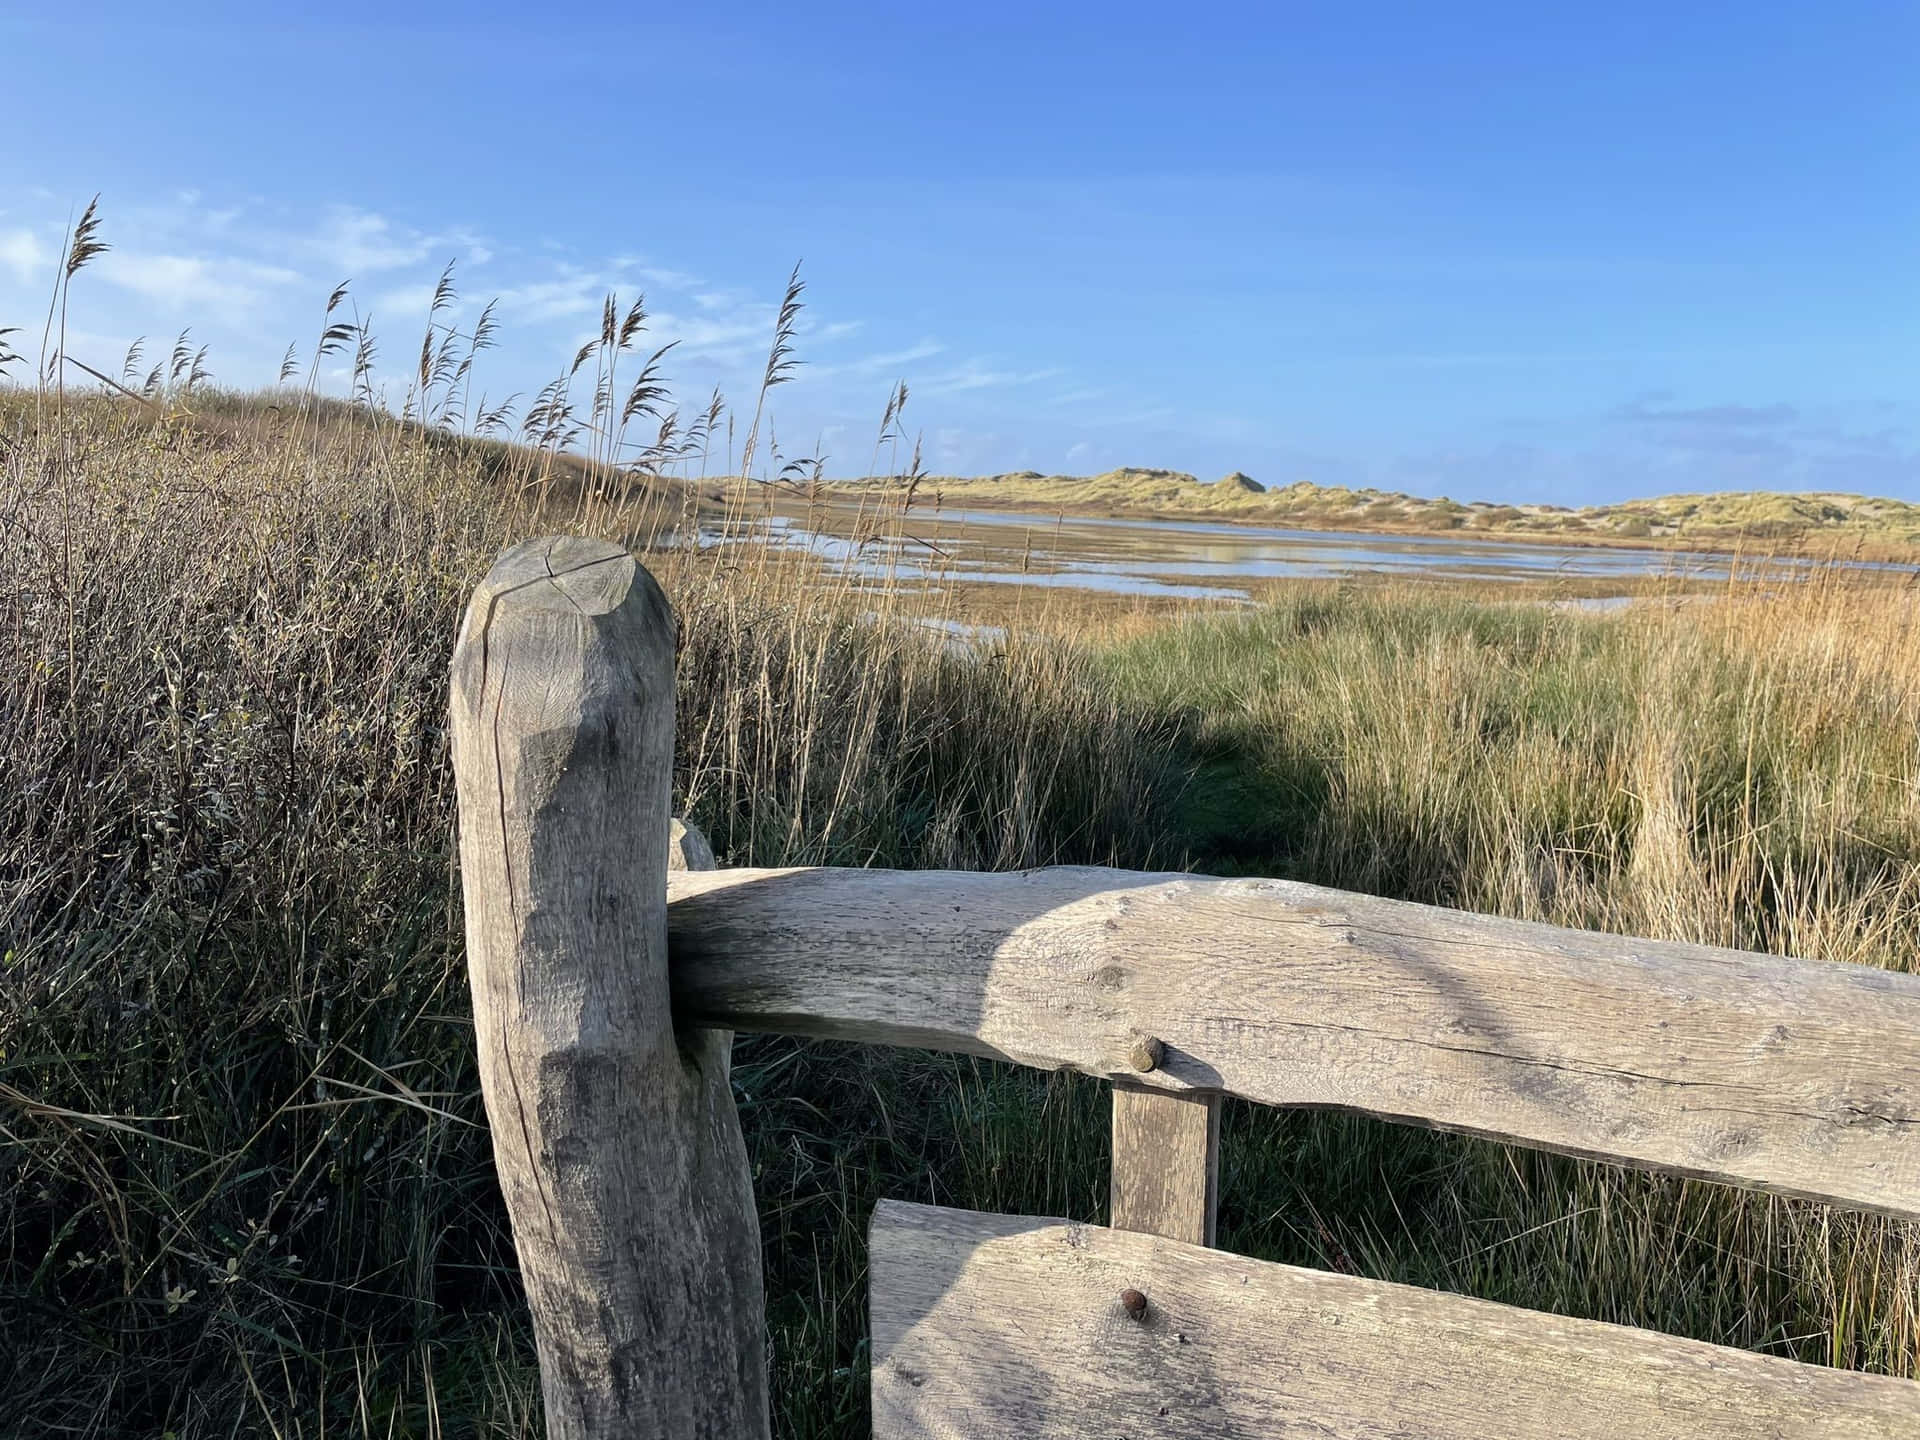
{"x": 245, "y": 1181}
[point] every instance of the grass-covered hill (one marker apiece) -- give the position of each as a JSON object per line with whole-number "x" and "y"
{"x": 1818, "y": 522}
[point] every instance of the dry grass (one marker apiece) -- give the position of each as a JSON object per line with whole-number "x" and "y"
{"x": 1742, "y": 773}
{"x": 245, "y": 1185}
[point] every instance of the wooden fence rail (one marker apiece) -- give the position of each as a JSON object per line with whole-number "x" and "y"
{"x": 604, "y": 991}
{"x": 1779, "y": 1074}
{"x": 1007, "y": 1326}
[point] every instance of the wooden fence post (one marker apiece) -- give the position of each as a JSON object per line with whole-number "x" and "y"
{"x": 1166, "y": 1163}
{"x": 617, "y": 1143}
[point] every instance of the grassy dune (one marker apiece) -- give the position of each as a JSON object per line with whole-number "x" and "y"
{"x": 1854, "y": 526}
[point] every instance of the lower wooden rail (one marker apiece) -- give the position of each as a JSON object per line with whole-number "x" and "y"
{"x": 1005, "y": 1326}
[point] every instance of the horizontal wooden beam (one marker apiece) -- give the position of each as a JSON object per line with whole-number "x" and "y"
{"x": 1797, "y": 1077}
{"x": 998, "y": 1325}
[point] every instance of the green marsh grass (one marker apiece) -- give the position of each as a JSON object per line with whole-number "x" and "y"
{"x": 1736, "y": 772}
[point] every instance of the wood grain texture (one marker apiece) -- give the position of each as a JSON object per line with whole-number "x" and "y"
{"x": 1166, "y": 1163}
{"x": 1798, "y": 1077}
{"x": 616, "y": 1141}
{"x": 990, "y": 1325}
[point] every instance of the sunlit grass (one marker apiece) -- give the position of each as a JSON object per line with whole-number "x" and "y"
{"x": 1741, "y": 772}
{"x": 244, "y": 1171}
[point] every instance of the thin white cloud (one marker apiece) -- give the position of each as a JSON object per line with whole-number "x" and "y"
{"x": 647, "y": 273}
{"x": 1076, "y": 397}
{"x": 361, "y": 242}
{"x": 976, "y": 375}
{"x": 895, "y": 359}
{"x": 404, "y": 300}
{"x": 888, "y": 363}
{"x": 751, "y": 323}
{"x": 177, "y": 283}
{"x": 567, "y": 293}
{"x": 471, "y": 248}
{"x": 22, "y": 252}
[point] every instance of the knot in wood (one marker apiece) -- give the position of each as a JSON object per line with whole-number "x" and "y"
{"x": 1146, "y": 1053}
{"x": 1135, "y": 1303}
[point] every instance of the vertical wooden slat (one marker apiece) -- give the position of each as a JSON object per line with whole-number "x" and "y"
{"x": 1166, "y": 1163}
{"x": 616, "y": 1140}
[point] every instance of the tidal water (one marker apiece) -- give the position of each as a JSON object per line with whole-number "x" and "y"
{"x": 1197, "y": 559}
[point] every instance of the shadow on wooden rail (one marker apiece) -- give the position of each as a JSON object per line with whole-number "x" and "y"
{"x": 604, "y": 992}
{"x": 1796, "y": 1077}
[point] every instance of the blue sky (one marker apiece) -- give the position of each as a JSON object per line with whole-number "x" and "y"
{"x": 1506, "y": 251}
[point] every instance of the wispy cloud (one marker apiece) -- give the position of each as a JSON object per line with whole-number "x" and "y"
{"x": 565, "y": 292}
{"x": 1077, "y": 397}
{"x": 175, "y": 284}
{"x": 408, "y": 301}
{"x": 749, "y": 326}
{"x": 978, "y": 375}
{"x": 663, "y": 277}
{"x": 1643, "y": 412}
{"x": 886, "y": 362}
{"x": 360, "y": 242}
{"x": 23, "y": 253}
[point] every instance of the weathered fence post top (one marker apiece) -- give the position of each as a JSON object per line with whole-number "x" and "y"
{"x": 617, "y": 1144}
